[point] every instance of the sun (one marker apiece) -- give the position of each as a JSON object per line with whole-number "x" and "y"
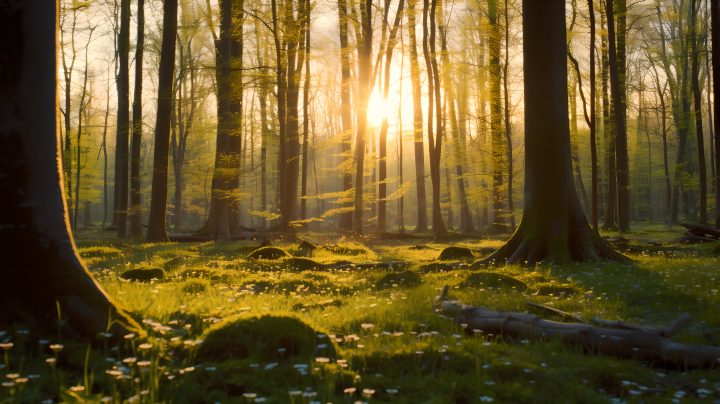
{"x": 377, "y": 109}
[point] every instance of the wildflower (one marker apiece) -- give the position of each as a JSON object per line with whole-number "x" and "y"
{"x": 477, "y": 331}
{"x": 12, "y": 376}
{"x": 211, "y": 368}
{"x": 366, "y": 326}
{"x": 322, "y": 360}
{"x": 368, "y": 392}
{"x": 129, "y": 360}
{"x": 8, "y": 384}
{"x": 145, "y": 346}
{"x": 350, "y": 390}
{"x": 486, "y": 343}
{"x": 7, "y": 345}
{"x": 77, "y": 388}
{"x": 143, "y": 364}
{"x": 189, "y": 369}
{"x": 134, "y": 399}
{"x": 635, "y": 392}
{"x": 106, "y": 399}
{"x": 486, "y": 398}
{"x": 56, "y": 347}
{"x": 489, "y": 383}
{"x": 43, "y": 341}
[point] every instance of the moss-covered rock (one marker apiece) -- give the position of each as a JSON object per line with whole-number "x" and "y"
{"x": 174, "y": 263}
{"x": 263, "y": 336}
{"x": 486, "y": 280}
{"x": 104, "y": 252}
{"x": 402, "y": 279}
{"x": 267, "y": 253}
{"x": 455, "y": 253}
{"x": 143, "y": 274}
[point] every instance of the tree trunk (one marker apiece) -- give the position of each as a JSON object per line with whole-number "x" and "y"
{"x": 553, "y": 227}
{"x": 158, "y": 204}
{"x": 236, "y": 113}
{"x": 35, "y": 217}
{"x": 346, "y": 218}
{"x": 715, "y": 32}
{"x": 265, "y": 130}
{"x": 363, "y": 83}
{"x": 123, "y": 116}
{"x": 697, "y": 96}
{"x": 617, "y": 86}
{"x": 609, "y": 132}
{"x": 417, "y": 122}
{"x": 81, "y": 109}
{"x": 496, "y": 117}
{"x": 135, "y": 201}
{"x": 306, "y": 121}
{"x": 593, "y": 147}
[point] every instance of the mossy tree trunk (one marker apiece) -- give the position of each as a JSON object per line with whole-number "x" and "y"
{"x": 34, "y": 217}
{"x": 553, "y": 227}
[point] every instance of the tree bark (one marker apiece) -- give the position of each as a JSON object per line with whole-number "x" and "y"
{"x": 421, "y": 226}
{"x": 553, "y": 227}
{"x": 346, "y": 219}
{"x": 158, "y": 204}
{"x": 609, "y": 132}
{"x": 496, "y": 117}
{"x": 306, "y": 120}
{"x": 715, "y": 32}
{"x": 617, "y": 88}
{"x": 123, "y": 118}
{"x": 697, "y": 97}
{"x": 34, "y": 216}
{"x": 363, "y": 82}
{"x": 135, "y": 197}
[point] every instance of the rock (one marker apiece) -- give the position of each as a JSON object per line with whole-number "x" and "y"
{"x": 143, "y": 275}
{"x": 306, "y": 245}
{"x": 454, "y": 253}
{"x": 173, "y": 263}
{"x": 263, "y": 335}
{"x": 268, "y": 253}
{"x": 486, "y": 280}
{"x": 402, "y": 279}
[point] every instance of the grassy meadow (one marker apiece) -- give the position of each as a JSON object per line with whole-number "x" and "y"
{"x": 219, "y": 328}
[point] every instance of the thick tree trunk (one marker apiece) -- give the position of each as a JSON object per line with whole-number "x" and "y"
{"x": 417, "y": 122}
{"x": 34, "y": 217}
{"x": 158, "y": 204}
{"x": 553, "y": 227}
{"x": 236, "y": 113}
{"x": 609, "y": 134}
{"x": 123, "y": 117}
{"x": 135, "y": 201}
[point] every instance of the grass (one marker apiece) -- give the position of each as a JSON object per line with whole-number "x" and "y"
{"x": 380, "y": 335}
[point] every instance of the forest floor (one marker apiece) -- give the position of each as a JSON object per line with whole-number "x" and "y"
{"x": 223, "y": 329}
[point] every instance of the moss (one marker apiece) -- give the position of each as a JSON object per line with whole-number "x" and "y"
{"x": 143, "y": 274}
{"x": 244, "y": 250}
{"x": 262, "y": 337}
{"x": 347, "y": 249}
{"x": 197, "y": 273}
{"x": 402, "y": 279}
{"x": 306, "y": 245}
{"x": 435, "y": 267}
{"x": 487, "y": 280}
{"x": 455, "y": 253}
{"x": 268, "y": 253}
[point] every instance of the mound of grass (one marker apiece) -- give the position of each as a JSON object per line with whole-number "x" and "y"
{"x": 104, "y": 252}
{"x": 402, "y": 279}
{"x": 270, "y": 337}
{"x": 267, "y": 253}
{"x": 143, "y": 274}
{"x": 348, "y": 249}
{"x": 486, "y": 280}
{"x": 455, "y": 253}
{"x": 193, "y": 286}
{"x": 548, "y": 288}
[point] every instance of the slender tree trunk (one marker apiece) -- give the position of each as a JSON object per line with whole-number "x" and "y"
{"x": 496, "y": 117}
{"x": 417, "y": 122}
{"x": 105, "y": 159}
{"x": 618, "y": 76}
{"x": 609, "y": 132}
{"x": 364, "y": 82}
{"x": 593, "y": 146}
{"x": 158, "y": 204}
{"x": 346, "y": 218}
{"x": 508, "y": 127}
{"x": 123, "y": 126}
{"x": 306, "y": 121}
{"x": 715, "y": 46}
{"x": 135, "y": 186}
{"x": 697, "y": 97}
{"x": 81, "y": 109}
{"x": 265, "y": 131}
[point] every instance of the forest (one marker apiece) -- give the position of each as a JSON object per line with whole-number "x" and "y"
{"x": 372, "y": 201}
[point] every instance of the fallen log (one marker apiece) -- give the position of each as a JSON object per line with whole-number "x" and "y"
{"x": 693, "y": 239}
{"x": 701, "y": 229}
{"x": 555, "y": 311}
{"x": 641, "y": 343}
